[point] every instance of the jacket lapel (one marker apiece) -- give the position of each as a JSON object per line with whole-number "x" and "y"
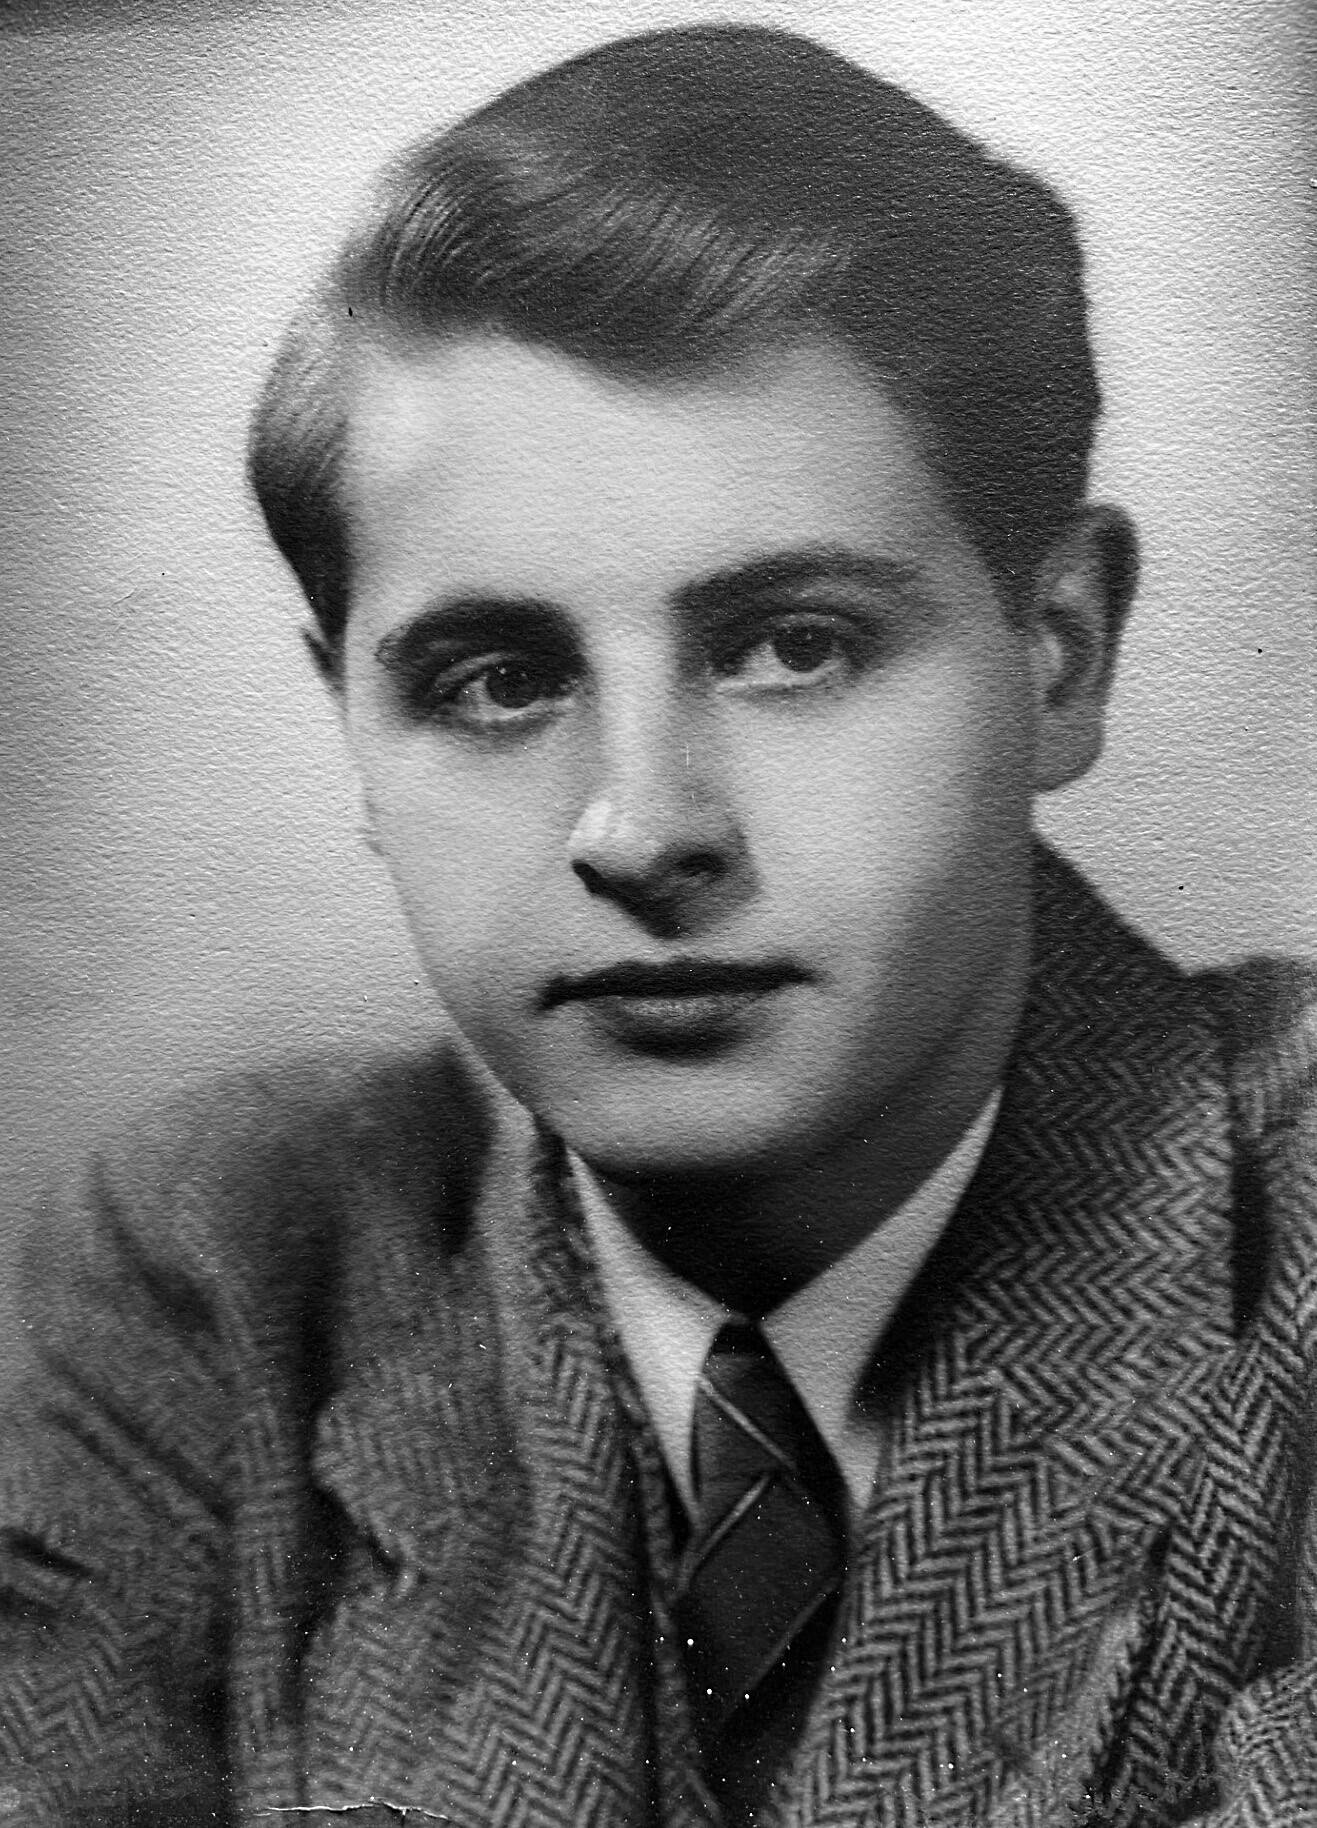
{"x": 1044, "y": 1387}
{"x": 488, "y": 1653}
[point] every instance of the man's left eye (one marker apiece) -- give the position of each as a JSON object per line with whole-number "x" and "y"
{"x": 797, "y": 651}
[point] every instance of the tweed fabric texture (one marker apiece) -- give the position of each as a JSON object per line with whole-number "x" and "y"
{"x": 329, "y": 1486}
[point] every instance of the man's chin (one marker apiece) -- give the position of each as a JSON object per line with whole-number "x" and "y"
{"x": 681, "y": 1151}
{"x": 725, "y": 1119}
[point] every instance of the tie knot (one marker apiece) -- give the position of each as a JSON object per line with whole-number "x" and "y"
{"x": 751, "y": 1426}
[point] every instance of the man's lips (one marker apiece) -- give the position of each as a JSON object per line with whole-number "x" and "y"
{"x": 674, "y": 978}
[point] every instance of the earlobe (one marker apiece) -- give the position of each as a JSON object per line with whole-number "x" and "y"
{"x": 1082, "y": 598}
{"x": 366, "y": 829}
{"x": 324, "y": 658}
{"x": 328, "y": 663}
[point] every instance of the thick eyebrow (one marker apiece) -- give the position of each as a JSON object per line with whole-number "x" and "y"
{"x": 404, "y": 650}
{"x": 498, "y": 619}
{"x": 797, "y": 569}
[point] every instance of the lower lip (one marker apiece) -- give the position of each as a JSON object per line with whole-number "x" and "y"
{"x": 680, "y": 1023}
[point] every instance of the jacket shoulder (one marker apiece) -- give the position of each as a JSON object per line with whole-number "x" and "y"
{"x": 1244, "y": 1035}
{"x": 222, "y": 1206}
{"x": 1260, "y": 1013}
{"x": 1267, "y": 1015}
{"x": 1266, "y": 1010}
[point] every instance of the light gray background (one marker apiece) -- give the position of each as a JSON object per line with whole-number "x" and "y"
{"x": 180, "y": 882}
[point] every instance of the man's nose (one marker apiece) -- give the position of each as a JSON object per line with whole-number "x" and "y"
{"x": 659, "y": 833}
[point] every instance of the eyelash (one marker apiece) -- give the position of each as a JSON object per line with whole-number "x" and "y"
{"x": 439, "y": 696}
{"x": 854, "y": 645}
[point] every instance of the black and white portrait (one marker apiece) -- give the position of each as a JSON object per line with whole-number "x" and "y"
{"x": 658, "y": 747}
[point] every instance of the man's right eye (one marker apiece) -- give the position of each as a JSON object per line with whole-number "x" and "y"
{"x": 501, "y": 691}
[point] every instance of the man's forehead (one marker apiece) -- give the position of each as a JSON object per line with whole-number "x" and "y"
{"x": 481, "y": 468}
{"x": 459, "y": 408}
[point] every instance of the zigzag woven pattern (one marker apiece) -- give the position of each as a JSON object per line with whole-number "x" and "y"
{"x": 332, "y": 1487}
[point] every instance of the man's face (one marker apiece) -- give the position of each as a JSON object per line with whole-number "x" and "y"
{"x": 697, "y": 743}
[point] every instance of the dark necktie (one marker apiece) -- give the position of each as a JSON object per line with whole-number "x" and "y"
{"x": 762, "y": 1570}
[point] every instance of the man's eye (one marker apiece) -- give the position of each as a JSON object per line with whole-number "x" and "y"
{"x": 501, "y": 690}
{"x": 799, "y": 650}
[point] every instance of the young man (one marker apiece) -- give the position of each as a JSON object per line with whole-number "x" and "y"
{"x": 834, "y": 1340}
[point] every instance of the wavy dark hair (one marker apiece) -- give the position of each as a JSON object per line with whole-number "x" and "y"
{"x": 670, "y": 202}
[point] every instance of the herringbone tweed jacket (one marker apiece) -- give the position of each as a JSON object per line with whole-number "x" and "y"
{"x": 331, "y": 1490}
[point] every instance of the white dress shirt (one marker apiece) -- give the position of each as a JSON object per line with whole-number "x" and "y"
{"x": 824, "y": 1335}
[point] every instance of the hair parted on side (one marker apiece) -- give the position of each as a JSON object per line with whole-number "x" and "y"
{"x": 672, "y": 201}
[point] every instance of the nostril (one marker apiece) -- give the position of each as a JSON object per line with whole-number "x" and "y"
{"x": 697, "y": 867}
{"x": 660, "y": 878}
{"x": 591, "y": 878}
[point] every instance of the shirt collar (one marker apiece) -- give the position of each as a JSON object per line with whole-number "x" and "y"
{"x": 824, "y": 1334}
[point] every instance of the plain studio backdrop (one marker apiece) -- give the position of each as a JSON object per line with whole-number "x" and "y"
{"x": 181, "y": 884}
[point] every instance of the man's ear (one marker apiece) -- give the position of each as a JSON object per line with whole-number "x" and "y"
{"x": 328, "y": 662}
{"x": 1081, "y": 598}
{"x": 324, "y": 658}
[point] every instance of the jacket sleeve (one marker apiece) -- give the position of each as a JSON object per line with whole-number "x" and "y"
{"x": 112, "y": 1541}
{"x": 1266, "y": 1748}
